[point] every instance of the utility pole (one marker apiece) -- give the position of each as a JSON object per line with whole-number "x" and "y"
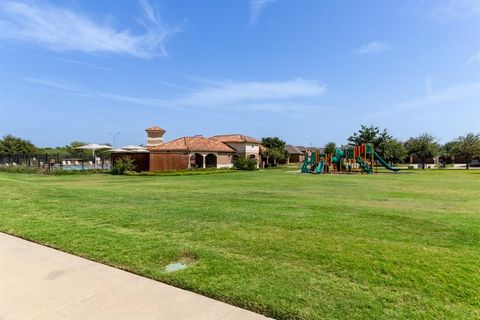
{"x": 115, "y": 138}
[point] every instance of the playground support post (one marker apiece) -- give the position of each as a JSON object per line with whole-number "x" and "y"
{"x": 371, "y": 157}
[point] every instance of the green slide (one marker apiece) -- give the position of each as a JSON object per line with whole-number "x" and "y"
{"x": 384, "y": 163}
{"x": 319, "y": 168}
{"x": 364, "y": 166}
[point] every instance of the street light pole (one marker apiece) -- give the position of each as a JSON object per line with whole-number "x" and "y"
{"x": 115, "y": 138}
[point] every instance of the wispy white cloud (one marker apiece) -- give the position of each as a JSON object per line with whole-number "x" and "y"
{"x": 473, "y": 59}
{"x": 169, "y": 84}
{"x": 84, "y": 64}
{"x": 455, "y": 9}
{"x": 374, "y": 47}
{"x": 256, "y": 8}
{"x": 228, "y": 95}
{"x": 451, "y": 94}
{"x": 296, "y": 94}
{"x": 60, "y": 29}
{"x": 55, "y": 83}
{"x": 287, "y": 108}
{"x": 235, "y": 93}
{"x": 139, "y": 100}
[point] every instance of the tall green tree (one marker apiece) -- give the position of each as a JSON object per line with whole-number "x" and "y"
{"x": 424, "y": 146}
{"x": 447, "y": 150}
{"x": 394, "y": 150}
{"x": 330, "y": 147}
{"x": 373, "y": 135}
{"x": 467, "y": 146}
{"x": 78, "y": 153}
{"x": 10, "y": 144}
{"x": 275, "y": 149}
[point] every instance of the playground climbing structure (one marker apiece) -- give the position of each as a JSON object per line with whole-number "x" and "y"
{"x": 349, "y": 159}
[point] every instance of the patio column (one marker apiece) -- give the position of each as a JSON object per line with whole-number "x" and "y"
{"x": 203, "y": 161}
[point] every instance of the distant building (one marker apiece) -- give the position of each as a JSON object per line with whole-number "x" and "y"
{"x": 244, "y": 146}
{"x": 192, "y": 152}
{"x": 294, "y": 154}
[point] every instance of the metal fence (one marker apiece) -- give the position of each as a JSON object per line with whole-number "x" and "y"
{"x": 56, "y": 161}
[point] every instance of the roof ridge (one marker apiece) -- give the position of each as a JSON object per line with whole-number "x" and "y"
{"x": 228, "y": 134}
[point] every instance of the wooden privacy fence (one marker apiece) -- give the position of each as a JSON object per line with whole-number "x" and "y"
{"x": 141, "y": 160}
{"x": 169, "y": 161}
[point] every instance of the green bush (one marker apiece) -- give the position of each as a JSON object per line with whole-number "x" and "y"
{"x": 62, "y": 172}
{"x": 241, "y": 163}
{"x": 21, "y": 169}
{"x": 123, "y": 165}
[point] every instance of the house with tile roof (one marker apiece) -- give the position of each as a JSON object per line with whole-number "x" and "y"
{"x": 197, "y": 151}
{"x": 244, "y": 146}
{"x": 190, "y": 153}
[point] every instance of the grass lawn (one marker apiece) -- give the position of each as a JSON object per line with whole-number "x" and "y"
{"x": 285, "y": 245}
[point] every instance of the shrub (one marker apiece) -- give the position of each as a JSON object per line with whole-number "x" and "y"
{"x": 122, "y": 166}
{"x": 245, "y": 164}
{"x": 62, "y": 172}
{"x": 21, "y": 169}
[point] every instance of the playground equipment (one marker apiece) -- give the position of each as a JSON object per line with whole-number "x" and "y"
{"x": 350, "y": 159}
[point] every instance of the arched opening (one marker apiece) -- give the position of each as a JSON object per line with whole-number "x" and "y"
{"x": 211, "y": 161}
{"x": 198, "y": 161}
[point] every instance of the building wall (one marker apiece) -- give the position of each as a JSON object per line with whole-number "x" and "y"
{"x": 296, "y": 158}
{"x": 141, "y": 160}
{"x": 245, "y": 148}
{"x": 224, "y": 161}
{"x": 169, "y": 161}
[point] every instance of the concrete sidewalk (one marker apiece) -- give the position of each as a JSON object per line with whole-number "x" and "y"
{"x": 37, "y": 282}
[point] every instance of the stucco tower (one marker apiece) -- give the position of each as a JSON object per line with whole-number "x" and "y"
{"x": 154, "y": 136}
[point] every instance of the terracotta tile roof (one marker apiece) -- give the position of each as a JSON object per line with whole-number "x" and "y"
{"x": 239, "y": 138}
{"x": 193, "y": 144}
{"x": 155, "y": 128}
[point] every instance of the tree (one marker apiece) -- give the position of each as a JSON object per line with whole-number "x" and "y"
{"x": 467, "y": 146}
{"x": 371, "y": 135}
{"x": 78, "y": 153}
{"x": 423, "y": 146}
{"x": 393, "y": 150}
{"x": 275, "y": 149}
{"x": 330, "y": 147}
{"x": 447, "y": 150}
{"x": 15, "y": 145}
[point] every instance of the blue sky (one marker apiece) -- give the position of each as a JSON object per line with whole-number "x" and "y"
{"x": 307, "y": 71}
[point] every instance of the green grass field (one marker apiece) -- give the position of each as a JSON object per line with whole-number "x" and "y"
{"x": 286, "y": 245}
